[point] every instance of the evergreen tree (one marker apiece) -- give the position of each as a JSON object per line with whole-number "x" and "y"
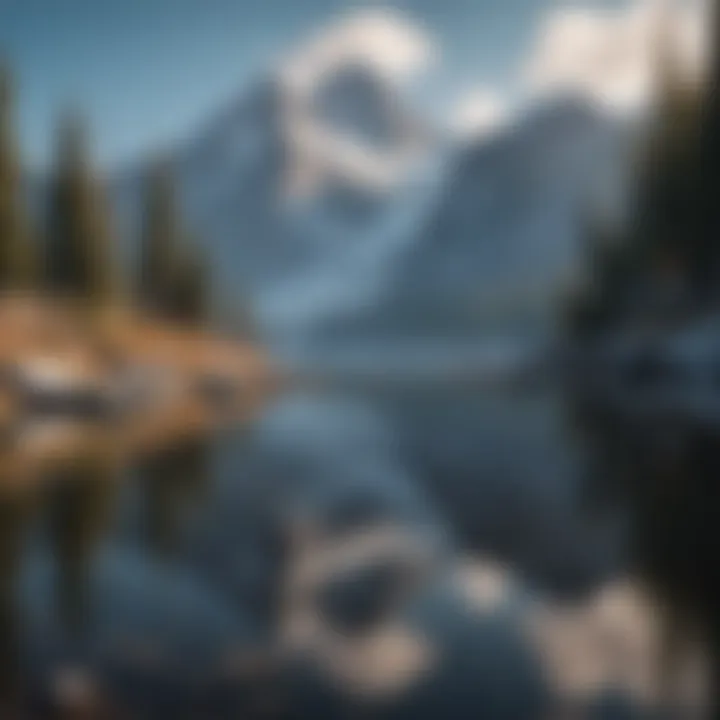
{"x": 190, "y": 289}
{"x": 79, "y": 261}
{"x": 707, "y": 266}
{"x": 17, "y": 259}
{"x": 172, "y": 278}
{"x": 159, "y": 251}
{"x": 600, "y": 294}
{"x": 657, "y": 268}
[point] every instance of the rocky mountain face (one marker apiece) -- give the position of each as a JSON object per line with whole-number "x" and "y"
{"x": 342, "y": 214}
{"x": 286, "y": 190}
{"x": 503, "y": 240}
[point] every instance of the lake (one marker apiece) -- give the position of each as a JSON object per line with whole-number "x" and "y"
{"x": 388, "y": 551}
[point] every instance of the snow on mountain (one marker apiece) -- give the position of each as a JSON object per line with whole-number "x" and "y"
{"x": 342, "y": 113}
{"x": 503, "y": 240}
{"x": 322, "y": 195}
{"x": 478, "y": 113}
{"x": 379, "y": 38}
{"x": 611, "y": 54}
{"x": 301, "y": 185}
{"x": 349, "y": 277}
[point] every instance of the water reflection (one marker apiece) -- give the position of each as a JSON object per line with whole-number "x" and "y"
{"x": 80, "y": 506}
{"x": 661, "y": 471}
{"x": 174, "y": 481}
{"x": 395, "y": 553}
{"x": 15, "y": 514}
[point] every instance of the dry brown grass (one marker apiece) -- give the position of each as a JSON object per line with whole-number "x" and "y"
{"x": 91, "y": 347}
{"x": 33, "y": 326}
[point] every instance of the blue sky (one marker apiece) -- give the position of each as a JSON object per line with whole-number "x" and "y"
{"x": 148, "y": 71}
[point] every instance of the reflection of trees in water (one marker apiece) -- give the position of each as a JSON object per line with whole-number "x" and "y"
{"x": 16, "y": 512}
{"x": 80, "y": 505}
{"x": 666, "y": 474}
{"x": 174, "y": 480}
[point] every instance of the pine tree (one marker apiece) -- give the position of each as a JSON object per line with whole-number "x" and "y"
{"x": 17, "y": 257}
{"x": 172, "y": 278}
{"x": 657, "y": 269}
{"x": 707, "y": 266}
{"x": 601, "y": 292}
{"x": 160, "y": 240}
{"x": 79, "y": 261}
{"x": 190, "y": 289}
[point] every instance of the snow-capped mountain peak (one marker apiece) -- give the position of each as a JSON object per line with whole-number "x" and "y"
{"x": 390, "y": 45}
{"x": 328, "y": 201}
{"x": 344, "y": 118}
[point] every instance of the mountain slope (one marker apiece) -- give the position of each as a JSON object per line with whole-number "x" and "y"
{"x": 295, "y": 181}
{"x": 323, "y": 197}
{"x": 503, "y": 240}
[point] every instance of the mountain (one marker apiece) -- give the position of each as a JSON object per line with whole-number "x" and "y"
{"x": 502, "y": 242}
{"x": 337, "y": 208}
{"x": 305, "y": 176}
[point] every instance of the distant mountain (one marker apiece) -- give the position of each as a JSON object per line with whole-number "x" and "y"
{"x": 503, "y": 240}
{"x": 343, "y": 215}
{"x": 295, "y": 180}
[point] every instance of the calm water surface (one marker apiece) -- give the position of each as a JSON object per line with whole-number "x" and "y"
{"x": 166, "y": 588}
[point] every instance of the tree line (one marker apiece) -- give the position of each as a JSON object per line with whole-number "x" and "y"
{"x": 71, "y": 252}
{"x": 662, "y": 267}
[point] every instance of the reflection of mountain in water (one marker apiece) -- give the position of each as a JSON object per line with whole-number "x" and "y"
{"x": 405, "y": 483}
{"x": 661, "y": 469}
